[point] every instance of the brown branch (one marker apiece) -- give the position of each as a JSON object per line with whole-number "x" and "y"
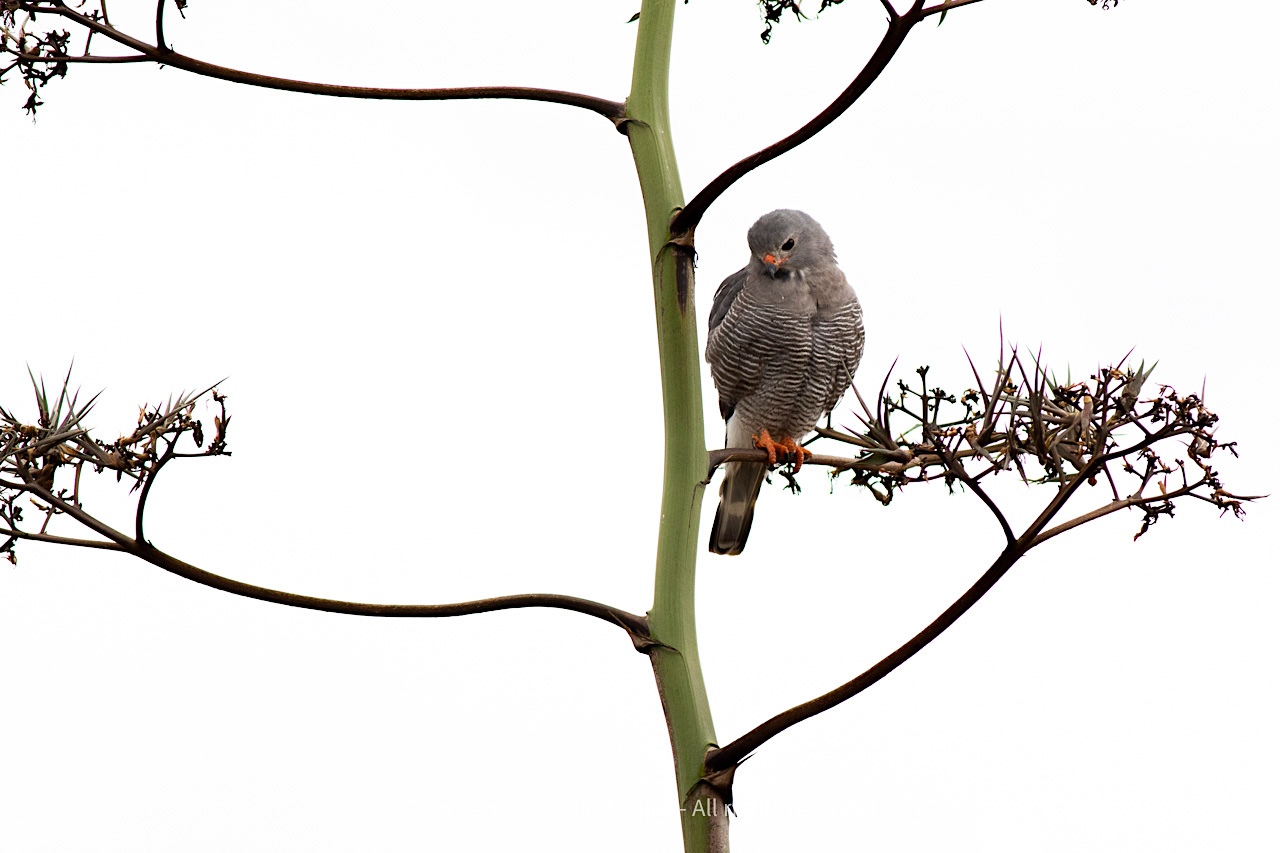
{"x": 637, "y": 627}
{"x": 902, "y": 459}
{"x": 899, "y": 25}
{"x": 612, "y": 110}
{"x": 954, "y": 466}
{"x": 1137, "y": 500}
{"x": 160, "y": 41}
{"x": 716, "y": 458}
{"x": 1107, "y": 509}
{"x": 944, "y": 7}
{"x": 736, "y": 751}
{"x": 31, "y": 57}
{"x": 14, "y": 533}
{"x": 138, "y": 533}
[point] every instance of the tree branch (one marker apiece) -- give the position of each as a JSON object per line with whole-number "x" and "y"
{"x": 14, "y": 533}
{"x": 735, "y": 752}
{"x": 1107, "y": 509}
{"x": 612, "y": 110}
{"x": 138, "y": 533}
{"x": 31, "y": 57}
{"x": 635, "y": 626}
{"x": 944, "y": 7}
{"x": 160, "y": 41}
{"x": 958, "y": 470}
{"x": 899, "y": 25}
{"x": 902, "y": 460}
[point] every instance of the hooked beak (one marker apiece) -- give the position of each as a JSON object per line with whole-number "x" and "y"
{"x": 773, "y": 262}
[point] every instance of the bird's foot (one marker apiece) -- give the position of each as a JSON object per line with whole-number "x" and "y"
{"x": 787, "y": 449}
{"x": 797, "y": 453}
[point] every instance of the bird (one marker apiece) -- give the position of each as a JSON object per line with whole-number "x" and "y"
{"x": 784, "y": 338}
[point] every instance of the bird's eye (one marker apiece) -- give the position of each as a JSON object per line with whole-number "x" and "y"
{"x": 789, "y": 245}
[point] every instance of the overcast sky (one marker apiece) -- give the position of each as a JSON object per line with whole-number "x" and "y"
{"x": 403, "y": 297}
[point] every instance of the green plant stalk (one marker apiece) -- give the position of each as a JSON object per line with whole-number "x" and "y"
{"x": 675, "y": 659}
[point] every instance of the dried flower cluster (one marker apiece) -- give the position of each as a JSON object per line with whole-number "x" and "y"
{"x": 40, "y": 52}
{"x": 48, "y": 459}
{"x": 1149, "y": 452}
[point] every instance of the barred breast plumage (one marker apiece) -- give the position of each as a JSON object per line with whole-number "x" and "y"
{"x": 784, "y": 341}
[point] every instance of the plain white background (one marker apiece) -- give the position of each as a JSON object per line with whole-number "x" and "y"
{"x": 436, "y": 324}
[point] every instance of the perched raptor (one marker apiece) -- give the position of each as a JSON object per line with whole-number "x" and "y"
{"x": 784, "y": 340}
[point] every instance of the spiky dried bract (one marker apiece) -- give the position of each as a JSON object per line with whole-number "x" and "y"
{"x": 51, "y": 456}
{"x": 1150, "y": 452}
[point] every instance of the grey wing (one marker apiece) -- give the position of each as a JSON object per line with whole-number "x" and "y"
{"x": 725, "y": 294}
{"x": 735, "y": 366}
{"x": 847, "y": 346}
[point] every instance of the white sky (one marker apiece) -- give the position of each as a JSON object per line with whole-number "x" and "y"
{"x": 404, "y": 296}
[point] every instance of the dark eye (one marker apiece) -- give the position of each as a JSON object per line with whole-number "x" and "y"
{"x": 789, "y": 245}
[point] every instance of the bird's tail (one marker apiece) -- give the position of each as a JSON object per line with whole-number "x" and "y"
{"x": 738, "y": 495}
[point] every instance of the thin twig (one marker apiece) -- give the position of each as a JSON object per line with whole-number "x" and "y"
{"x": 30, "y": 57}
{"x": 161, "y": 45}
{"x": 949, "y": 458}
{"x": 164, "y": 459}
{"x": 61, "y": 540}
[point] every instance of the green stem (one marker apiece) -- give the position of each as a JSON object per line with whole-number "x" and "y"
{"x": 671, "y": 621}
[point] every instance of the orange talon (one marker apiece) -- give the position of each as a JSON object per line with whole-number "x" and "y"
{"x": 799, "y": 453}
{"x": 765, "y": 442}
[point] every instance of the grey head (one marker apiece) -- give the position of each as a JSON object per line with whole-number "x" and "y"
{"x": 788, "y": 241}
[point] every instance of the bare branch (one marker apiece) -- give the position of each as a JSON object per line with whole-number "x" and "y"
{"x": 161, "y": 45}
{"x": 688, "y": 218}
{"x": 1107, "y": 509}
{"x": 635, "y": 626}
{"x": 612, "y": 110}
{"x": 61, "y": 540}
{"x": 150, "y": 479}
{"x": 105, "y": 60}
{"x": 33, "y": 455}
{"x": 736, "y": 751}
{"x": 958, "y": 470}
{"x": 943, "y": 8}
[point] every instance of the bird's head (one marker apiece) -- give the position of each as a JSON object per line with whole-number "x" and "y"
{"x": 787, "y": 241}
